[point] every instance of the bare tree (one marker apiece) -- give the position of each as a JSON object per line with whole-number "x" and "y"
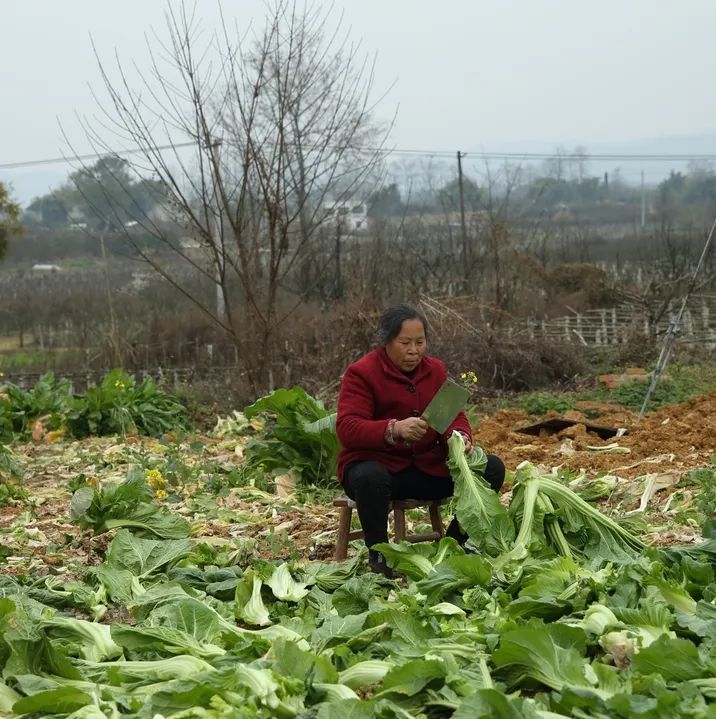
{"x": 505, "y": 233}
{"x": 268, "y": 132}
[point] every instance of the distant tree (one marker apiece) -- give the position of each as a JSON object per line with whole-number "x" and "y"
{"x": 669, "y": 194}
{"x": 449, "y": 195}
{"x": 546, "y": 192}
{"x": 51, "y": 208}
{"x": 701, "y": 189}
{"x": 555, "y": 166}
{"x": 700, "y": 168}
{"x": 10, "y": 224}
{"x": 386, "y": 202}
{"x": 687, "y": 201}
{"x": 109, "y": 193}
{"x": 675, "y": 182}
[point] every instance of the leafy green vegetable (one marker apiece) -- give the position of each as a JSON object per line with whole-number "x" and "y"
{"x": 126, "y": 504}
{"x": 490, "y": 704}
{"x": 411, "y": 560}
{"x": 478, "y": 508}
{"x": 249, "y": 603}
{"x": 8, "y": 697}
{"x": 550, "y": 514}
{"x": 119, "y": 406}
{"x": 116, "y": 406}
{"x": 453, "y": 574}
{"x": 647, "y": 622}
{"x": 563, "y": 612}
{"x": 141, "y": 556}
{"x": 598, "y": 619}
{"x": 9, "y": 469}
{"x": 675, "y": 660}
{"x": 552, "y": 654}
{"x": 284, "y": 586}
{"x": 49, "y": 399}
{"x": 94, "y": 641}
{"x": 413, "y": 676}
{"x": 592, "y": 489}
{"x": 151, "y": 640}
{"x": 330, "y": 577}
{"x": 61, "y": 700}
{"x": 158, "y": 670}
{"x": 365, "y": 673}
{"x": 417, "y": 561}
{"x": 299, "y": 436}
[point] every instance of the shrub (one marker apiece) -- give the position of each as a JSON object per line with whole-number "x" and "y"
{"x": 119, "y": 406}
{"x": 539, "y": 403}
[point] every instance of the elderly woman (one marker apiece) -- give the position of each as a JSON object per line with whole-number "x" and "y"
{"x": 387, "y": 450}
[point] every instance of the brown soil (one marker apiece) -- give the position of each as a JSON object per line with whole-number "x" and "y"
{"x": 674, "y": 438}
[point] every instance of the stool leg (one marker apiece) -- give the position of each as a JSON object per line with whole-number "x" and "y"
{"x": 344, "y": 528}
{"x": 399, "y": 523}
{"x": 436, "y": 519}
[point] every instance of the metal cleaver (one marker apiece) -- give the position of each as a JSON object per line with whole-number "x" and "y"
{"x": 445, "y": 405}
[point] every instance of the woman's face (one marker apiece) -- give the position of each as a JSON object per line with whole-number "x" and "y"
{"x": 407, "y": 349}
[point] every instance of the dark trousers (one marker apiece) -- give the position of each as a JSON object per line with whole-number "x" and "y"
{"x": 371, "y": 486}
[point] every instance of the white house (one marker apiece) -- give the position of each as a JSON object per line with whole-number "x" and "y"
{"x": 353, "y": 216}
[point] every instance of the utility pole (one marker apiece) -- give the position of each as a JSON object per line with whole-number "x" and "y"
{"x": 643, "y": 203}
{"x": 460, "y": 155}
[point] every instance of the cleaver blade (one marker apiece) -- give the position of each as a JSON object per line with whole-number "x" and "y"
{"x": 445, "y": 405}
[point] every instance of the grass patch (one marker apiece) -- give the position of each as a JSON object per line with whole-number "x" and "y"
{"x": 539, "y": 403}
{"x": 682, "y": 382}
{"x": 31, "y": 360}
{"x": 11, "y": 343}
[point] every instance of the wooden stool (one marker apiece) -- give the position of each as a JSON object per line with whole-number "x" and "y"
{"x": 346, "y": 507}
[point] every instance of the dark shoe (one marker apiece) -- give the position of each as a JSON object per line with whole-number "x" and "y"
{"x": 378, "y": 565}
{"x": 456, "y": 533}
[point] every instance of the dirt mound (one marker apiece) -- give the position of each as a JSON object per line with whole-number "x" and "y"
{"x": 677, "y": 437}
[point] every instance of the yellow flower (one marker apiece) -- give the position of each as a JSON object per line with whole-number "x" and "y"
{"x": 160, "y": 494}
{"x": 155, "y": 479}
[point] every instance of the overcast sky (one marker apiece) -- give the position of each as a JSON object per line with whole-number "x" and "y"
{"x": 465, "y": 74}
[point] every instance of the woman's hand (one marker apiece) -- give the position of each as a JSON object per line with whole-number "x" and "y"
{"x": 411, "y": 429}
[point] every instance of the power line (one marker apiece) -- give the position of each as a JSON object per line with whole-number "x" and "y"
{"x": 588, "y": 157}
{"x": 89, "y": 156}
{"x": 446, "y": 154}
{"x": 566, "y": 157}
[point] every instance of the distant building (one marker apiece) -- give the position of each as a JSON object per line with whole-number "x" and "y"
{"x": 352, "y": 216}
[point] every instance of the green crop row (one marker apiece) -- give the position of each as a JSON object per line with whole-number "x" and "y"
{"x": 118, "y": 405}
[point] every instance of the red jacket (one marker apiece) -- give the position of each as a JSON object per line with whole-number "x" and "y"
{"x": 374, "y": 391}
